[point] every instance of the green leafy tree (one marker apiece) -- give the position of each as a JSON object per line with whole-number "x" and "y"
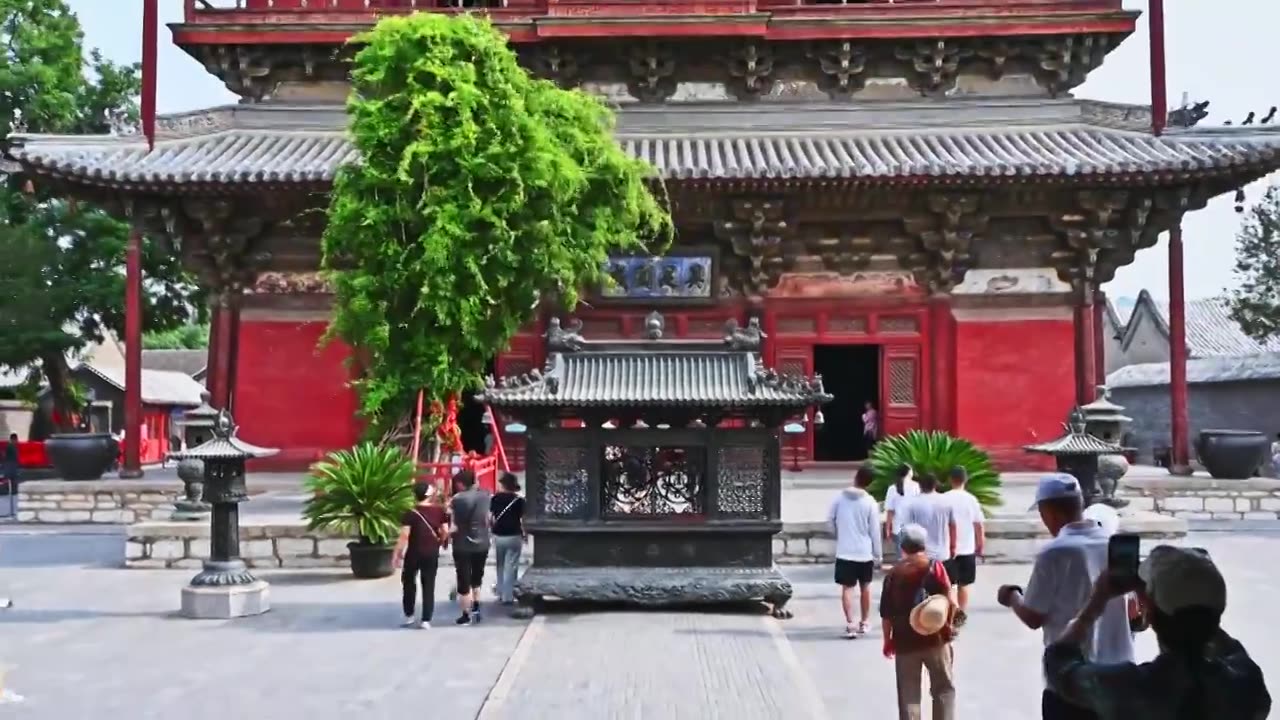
{"x": 62, "y": 280}
{"x": 1255, "y": 301}
{"x": 183, "y": 337}
{"x": 480, "y": 191}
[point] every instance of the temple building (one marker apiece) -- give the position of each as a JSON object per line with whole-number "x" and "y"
{"x": 905, "y": 197}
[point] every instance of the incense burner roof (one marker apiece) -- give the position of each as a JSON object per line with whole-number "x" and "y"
{"x": 891, "y": 142}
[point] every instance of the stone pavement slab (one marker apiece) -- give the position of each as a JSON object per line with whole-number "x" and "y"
{"x": 89, "y": 641}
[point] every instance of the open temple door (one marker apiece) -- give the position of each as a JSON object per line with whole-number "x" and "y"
{"x": 900, "y": 395}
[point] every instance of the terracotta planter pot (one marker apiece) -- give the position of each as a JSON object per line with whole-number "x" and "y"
{"x": 1232, "y": 454}
{"x": 81, "y": 456}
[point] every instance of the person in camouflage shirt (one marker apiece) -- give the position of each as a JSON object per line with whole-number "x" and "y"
{"x": 1201, "y": 672}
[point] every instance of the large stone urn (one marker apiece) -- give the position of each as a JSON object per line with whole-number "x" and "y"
{"x": 1232, "y": 454}
{"x": 81, "y": 456}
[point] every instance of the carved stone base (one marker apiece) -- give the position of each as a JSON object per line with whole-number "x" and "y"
{"x": 223, "y": 573}
{"x": 226, "y": 601}
{"x": 655, "y": 587}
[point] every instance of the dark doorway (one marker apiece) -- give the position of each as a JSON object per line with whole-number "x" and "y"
{"x": 852, "y": 374}
{"x": 475, "y": 431}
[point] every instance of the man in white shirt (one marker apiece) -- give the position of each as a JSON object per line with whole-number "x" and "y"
{"x": 1062, "y": 581}
{"x": 895, "y": 500}
{"x": 932, "y": 512}
{"x": 855, "y": 520}
{"x": 968, "y": 529}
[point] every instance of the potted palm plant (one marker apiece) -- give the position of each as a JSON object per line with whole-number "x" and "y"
{"x": 362, "y": 492}
{"x": 935, "y": 452}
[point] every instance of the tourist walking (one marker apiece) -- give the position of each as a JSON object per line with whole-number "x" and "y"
{"x": 932, "y": 512}
{"x": 969, "y": 530}
{"x": 9, "y": 468}
{"x": 507, "y": 508}
{"x": 1201, "y": 672}
{"x": 854, "y": 518}
{"x": 870, "y": 424}
{"x": 895, "y": 499}
{"x": 1061, "y": 584}
{"x": 424, "y": 530}
{"x": 916, "y": 614}
{"x": 469, "y": 508}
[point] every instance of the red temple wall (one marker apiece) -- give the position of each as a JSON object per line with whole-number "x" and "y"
{"x": 1015, "y": 373}
{"x": 290, "y": 393}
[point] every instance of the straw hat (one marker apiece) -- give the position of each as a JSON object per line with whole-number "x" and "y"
{"x": 930, "y": 616}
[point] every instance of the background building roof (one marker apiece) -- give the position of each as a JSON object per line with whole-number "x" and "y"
{"x": 187, "y": 362}
{"x": 1239, "y": 368}
{"x": 159, "y": 387}
{"x": 1211, "y": 332}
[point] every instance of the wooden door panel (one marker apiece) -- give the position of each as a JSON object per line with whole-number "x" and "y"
{"x": 797, "y": 360}
{"x": 901, "y": 389}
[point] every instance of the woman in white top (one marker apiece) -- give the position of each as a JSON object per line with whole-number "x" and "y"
{"x": 902, "y": 489}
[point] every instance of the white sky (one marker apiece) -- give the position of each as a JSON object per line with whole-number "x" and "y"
{"x": 1207, "y": 55}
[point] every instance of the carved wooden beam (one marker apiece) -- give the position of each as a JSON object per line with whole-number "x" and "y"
{"x": 255, "y": 71}
{"x": 555, "y": 62}
{"x": 757, "y": 230}
{"x": 1098, "y": 235}
{"x": 651, "y": 71}
{"x": 939, "y": 243}
{"x": 842, "y": 67}
{"x": 751, "y": 70}
{"x": 1063, "y": 62}
{"x": 933, "y": 65}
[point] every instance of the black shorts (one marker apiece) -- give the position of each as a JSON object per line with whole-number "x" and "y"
{"x": 850, "y": 572}
{"x": 962, "y": 569}
{"x": 469, "y": 568}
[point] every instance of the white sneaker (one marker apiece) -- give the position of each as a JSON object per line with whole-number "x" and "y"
{"x": 424, "y": 625}
{"x": 864, "y": 628}
{"x": 409, "y": 621}
{"x": 5, "y": 603}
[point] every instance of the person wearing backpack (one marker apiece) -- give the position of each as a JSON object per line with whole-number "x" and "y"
{"x": 507, "y": 509}
{"x": 1201, "y": 673}
{"x": 918, "y": 619}
{"x": 424, "y": 530}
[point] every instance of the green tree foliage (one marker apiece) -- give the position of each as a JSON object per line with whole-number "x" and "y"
{"x": 62, "y": 273}
{"x": 934, "y": 452}
{"x": 183, "y": 337}
{"x": 1255, "y": 301}
{"x": 480, "y": 191}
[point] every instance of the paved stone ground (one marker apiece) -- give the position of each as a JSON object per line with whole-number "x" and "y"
{"x": 86, "y": 640}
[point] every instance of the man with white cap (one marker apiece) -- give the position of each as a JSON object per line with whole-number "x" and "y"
{"x": 1061, "y": 582}
{"x": 1201, "y": 672}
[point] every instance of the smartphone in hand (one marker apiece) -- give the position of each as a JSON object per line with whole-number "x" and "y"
{"x": 1122, "y": 562}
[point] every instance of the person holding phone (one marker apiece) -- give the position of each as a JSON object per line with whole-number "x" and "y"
{"x": 1061, "y": 583}
{"x": 1201, "y": 673}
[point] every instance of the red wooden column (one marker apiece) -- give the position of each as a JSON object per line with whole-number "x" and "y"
{"x": 221, "y": 357}
{"x": 1086, "y": 373}
{"x": 1177, "y": 357}
{"x": 132, "y": 466}
{"x": 942, "y": 354}
{"x": 1099, "y": 337}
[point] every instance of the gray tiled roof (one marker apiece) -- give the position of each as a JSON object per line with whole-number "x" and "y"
{"x": 247, "y": 156}
{"x": 1211, "y": 332}
{"x": 187, "y": 362}
{"x": 1075, "y": 444}
{"x": 656, "y": 378}
{"x": 1238, "y": 368}
{"x": 159, "y": 387}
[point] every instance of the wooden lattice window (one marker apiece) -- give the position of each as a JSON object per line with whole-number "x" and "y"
{"x": 847, "y": 325}
{"x": 902, "y": 381}
{"x": 899, "y": 324}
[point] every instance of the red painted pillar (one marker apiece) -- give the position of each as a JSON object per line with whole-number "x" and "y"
{"x": 132, "y": 466}
{"x": 211, "y": 353}
{"x": 233, "y": 353}
{"x": 942, "y": 362}
{"x": 1159, "y": 86}
{"x": 220, "y": 354}
{"x": 1177, "y": 357}
{"x": 1099, "y": 337}
{"x": 1086, "y": 376}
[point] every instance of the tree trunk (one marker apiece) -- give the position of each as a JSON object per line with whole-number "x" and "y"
{"x": 58, "y": 373}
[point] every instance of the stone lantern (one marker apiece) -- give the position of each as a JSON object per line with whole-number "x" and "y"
{"x": 1106, "y": 421}
{"x": 225, "y": 588}
{"x": 1077, "y": 453}
{"x": 197, "y": 429}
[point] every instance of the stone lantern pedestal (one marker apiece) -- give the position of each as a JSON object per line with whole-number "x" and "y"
{"x": 224, "y": 588}
{"x": 197, "y": 429}
{"x": 1077, "y": 453}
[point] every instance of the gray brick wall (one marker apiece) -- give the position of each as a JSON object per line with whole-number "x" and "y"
{"x": 1251, "y": 405}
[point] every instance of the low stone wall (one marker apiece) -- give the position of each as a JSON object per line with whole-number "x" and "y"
{"x": 1010, "y": 540}
{"x": 290, "y": 545}
{"x": 96, "y": 501}
{"x": 1199, "y": 498}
